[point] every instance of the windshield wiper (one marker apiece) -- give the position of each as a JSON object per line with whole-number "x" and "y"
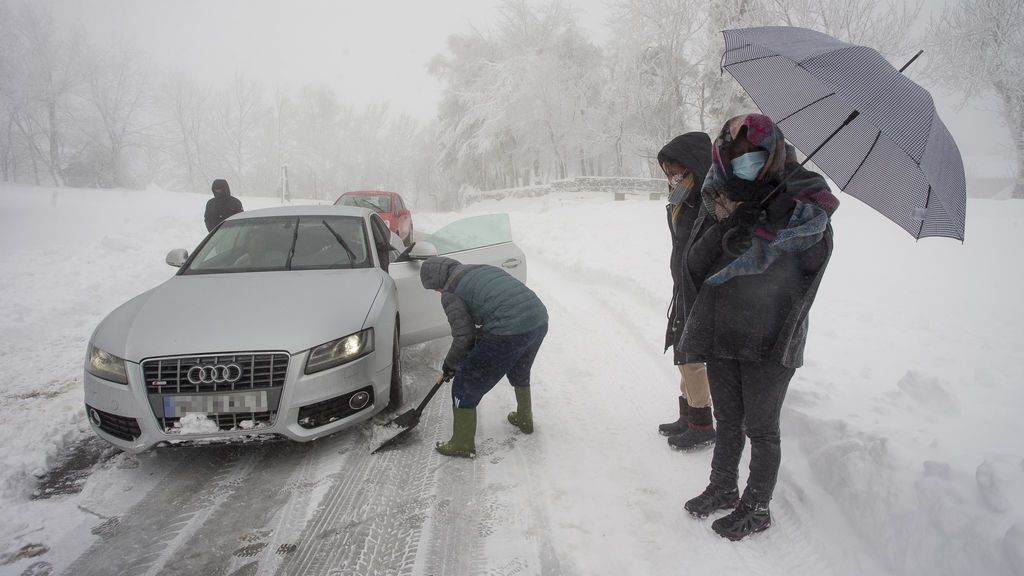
{"x": 291, "y": 252}
{"x": 351, "y": 254}
{"x": 366, "y": 203}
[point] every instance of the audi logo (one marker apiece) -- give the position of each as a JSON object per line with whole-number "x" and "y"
{"x": 215, "y": 374}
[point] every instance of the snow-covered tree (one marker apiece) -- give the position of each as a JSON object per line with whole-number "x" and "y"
{"x": 980, "y": 48}
{"x": 184, "y": 107}
{"x": 117, "y": 95}
{"x": 238, "y": 111}
{"x": 42, "y": 70}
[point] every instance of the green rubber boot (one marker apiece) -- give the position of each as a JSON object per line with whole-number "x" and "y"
{"x": 463, "y": 442}
{"x": 522, "y": 418}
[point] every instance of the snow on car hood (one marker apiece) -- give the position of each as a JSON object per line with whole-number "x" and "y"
{"x": 198, "y": 314}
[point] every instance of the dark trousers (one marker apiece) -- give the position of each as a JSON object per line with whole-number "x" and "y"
{"x": 493, "y": 357}
{"x": 747, "y": 397}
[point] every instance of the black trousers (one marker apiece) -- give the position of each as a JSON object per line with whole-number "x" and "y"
{"x": 747, "y": 397}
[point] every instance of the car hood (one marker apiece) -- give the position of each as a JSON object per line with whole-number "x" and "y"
{"x": 199, "y": 314}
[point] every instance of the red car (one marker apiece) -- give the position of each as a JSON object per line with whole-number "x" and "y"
{"x": 389, "y": 205}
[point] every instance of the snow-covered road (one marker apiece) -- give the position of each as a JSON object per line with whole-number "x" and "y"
{"x": 901, "y": 434}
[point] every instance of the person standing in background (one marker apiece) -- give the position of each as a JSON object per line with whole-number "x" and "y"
{"x": 222, "y": 205}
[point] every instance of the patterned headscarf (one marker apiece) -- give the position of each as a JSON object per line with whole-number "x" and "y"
{"x": 759, "y": 130}
{"x": 814, "y": 202}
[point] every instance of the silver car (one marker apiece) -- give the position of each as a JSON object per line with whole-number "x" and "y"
{"x": 284, "y": 321}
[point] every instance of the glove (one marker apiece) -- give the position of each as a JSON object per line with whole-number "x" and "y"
{"x": 778, "y": 211}
{"x": 447, "y": 373}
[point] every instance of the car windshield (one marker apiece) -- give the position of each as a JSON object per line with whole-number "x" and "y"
{"x": 376, "y": 202}
{"x": 283, "y": 243}
{"x": 471, "y": 233}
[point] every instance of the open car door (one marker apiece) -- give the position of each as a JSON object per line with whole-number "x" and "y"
{"x": 483, "y": 239}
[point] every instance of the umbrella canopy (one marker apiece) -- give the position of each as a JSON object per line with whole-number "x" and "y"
{"x": 896, "y": 155}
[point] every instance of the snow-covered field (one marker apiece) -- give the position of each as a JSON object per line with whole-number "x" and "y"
{"x": 901, "y": 435}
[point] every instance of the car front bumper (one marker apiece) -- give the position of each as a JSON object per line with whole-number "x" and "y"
{"x": 126, "y": 416}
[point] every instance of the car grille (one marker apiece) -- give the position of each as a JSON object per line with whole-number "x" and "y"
{"x": 121, "y": 427}
{"x": 227, "y": 422}
{"x": 259, "y": 371}
{"x": 331, "y": 410}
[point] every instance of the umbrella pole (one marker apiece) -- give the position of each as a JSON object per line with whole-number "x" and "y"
{"x": 778, "y": 188}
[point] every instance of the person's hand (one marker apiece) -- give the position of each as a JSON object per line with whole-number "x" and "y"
{"x": 447, "y": 373}
{"x": 778, "y": 211}
{"x": 724, "y": 207}
{"x": 743, "y": 215}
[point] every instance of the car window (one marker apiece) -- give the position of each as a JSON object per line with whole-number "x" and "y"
{"x": 470, "y": 233}
{"x": 375, "y": 202}
{"x": 266, "y": 244}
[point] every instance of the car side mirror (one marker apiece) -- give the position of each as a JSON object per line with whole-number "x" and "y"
{"x": 177, "y": 257}
{"x": 422, "y": 250}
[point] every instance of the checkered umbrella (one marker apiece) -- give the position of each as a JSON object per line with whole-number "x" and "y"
{"x": 868, "y": 127}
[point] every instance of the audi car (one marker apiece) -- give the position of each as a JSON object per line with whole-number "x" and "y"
{"x": 283, "y": 322}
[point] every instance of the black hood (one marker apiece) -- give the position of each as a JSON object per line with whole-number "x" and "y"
{"x": 692, "y": 151}
{"x": 220, "y": 188}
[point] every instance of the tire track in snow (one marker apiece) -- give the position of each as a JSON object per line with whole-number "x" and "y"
{"x": 370, "y": 521}
{"x": 145, "y": 538}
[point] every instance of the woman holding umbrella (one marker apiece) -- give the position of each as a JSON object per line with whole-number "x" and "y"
{"x": 758, "y": 269}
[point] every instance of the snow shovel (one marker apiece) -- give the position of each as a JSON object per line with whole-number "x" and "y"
{"x": 408, "y": 420}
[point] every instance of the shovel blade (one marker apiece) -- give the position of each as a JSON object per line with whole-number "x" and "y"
{"x": 407, "y": 419}
{"x": 399, "y": 434}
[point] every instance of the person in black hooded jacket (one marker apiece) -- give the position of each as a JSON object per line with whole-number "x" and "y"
{"x": 222, "y": 205}
{"x": 685, "y": 161}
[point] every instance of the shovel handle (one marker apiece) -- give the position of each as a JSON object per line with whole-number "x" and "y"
{"x": 427, "y": 398}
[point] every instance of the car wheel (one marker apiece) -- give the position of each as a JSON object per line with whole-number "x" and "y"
{"x": 408, "y": 238}
{"x": 395, "y": 395}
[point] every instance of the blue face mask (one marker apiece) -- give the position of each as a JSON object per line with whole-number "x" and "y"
{"x": 749, "y": 165}
{"x": 678, "y": 193}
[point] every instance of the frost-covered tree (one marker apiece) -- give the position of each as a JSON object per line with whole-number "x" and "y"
{"x": 515, "y": 101}
{"x": 980, "y": 48}
{"x": 42, "y": 70}
{"x": 185, "y": 109}
{"x": 239, "y": 110}
{"x": 117, "y": 96}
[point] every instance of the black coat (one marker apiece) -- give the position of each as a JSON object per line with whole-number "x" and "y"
{"x": 220, "y": 207}
{"x": 693, "y": 151}
{"x": 758, "y": 317}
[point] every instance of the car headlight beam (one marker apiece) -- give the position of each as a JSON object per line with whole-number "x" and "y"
{"x": 340, "y": 351}
{"x": 105, "y": 365}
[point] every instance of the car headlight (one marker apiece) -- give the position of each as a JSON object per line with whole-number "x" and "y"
{"x": 105, "y": 365}
{"x": 340, "y": 351}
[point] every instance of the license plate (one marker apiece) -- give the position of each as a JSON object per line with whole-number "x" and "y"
{"x": 238, "y": 402}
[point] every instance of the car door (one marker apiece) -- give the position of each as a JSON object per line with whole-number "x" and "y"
{"x": 485, "y": 239}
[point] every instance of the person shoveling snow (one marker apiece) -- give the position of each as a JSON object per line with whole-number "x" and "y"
{"x": 513, "y": 322}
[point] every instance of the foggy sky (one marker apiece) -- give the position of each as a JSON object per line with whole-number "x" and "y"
{"x": 373, "y": 51}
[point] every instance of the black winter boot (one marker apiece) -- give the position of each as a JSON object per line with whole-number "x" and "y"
{"x": 699, "y": 433}
{"x": 711, "y": 500}
{"x": 746, "y": 519}
{"x": 679, "y": 426}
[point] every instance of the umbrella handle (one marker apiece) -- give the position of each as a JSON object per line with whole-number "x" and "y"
{"x": 778, "y": 188}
